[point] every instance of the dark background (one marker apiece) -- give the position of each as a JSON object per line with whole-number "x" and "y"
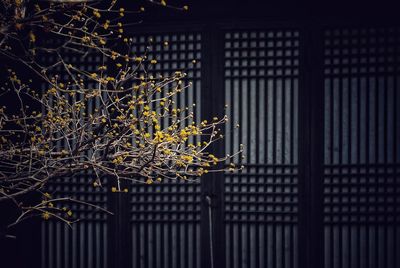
{"x": 315, "y": 223}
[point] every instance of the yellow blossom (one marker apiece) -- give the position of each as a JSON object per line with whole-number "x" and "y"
{"x": 32, "y": 37}
{"x": 52, "y": 91}
{"x": 184, "y": 134}
{"x": 46, "y": 215}
{"x": 114, "y": 55}
{"x": 96, "y": 13}
{"x": 159, "y": 136}
{"x": 187, "y": 158}
{"x": 85, "y": 39}
{"x": 106, "y": 24}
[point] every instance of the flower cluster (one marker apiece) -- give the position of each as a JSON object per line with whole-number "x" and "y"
{"x": 134, "y": 130}
{"x": 118, "y": 121}
{"x": 79, "y": 26}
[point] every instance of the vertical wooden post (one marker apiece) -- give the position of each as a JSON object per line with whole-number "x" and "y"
{"x": 212, "y": 185}
{"x": 311, "y": 137}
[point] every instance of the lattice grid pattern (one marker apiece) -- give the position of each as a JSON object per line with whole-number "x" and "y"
{"x": 261, "y": 90}
{"x": 362, "y": 147}
{"x": 165, "y": 217}
{"x": 84, "y": 245}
